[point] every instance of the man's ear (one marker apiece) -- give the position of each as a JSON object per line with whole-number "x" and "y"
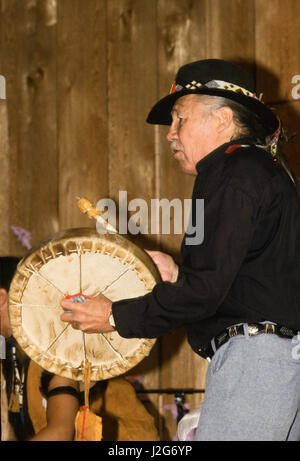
{"x": 224, "y": 117}
{"x": 3, "y": 298}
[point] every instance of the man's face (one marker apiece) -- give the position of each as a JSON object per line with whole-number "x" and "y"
{"x": 192, "y": 134}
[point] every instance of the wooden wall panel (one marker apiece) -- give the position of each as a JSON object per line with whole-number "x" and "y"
{"x": 82, "y": 107}
{"x": 29, "y": 65}
{"x": 230, "y": 31}
{"x": 278, "y": 61}
{"x": 132, "y": 90}
{"x": 277, "y": 47}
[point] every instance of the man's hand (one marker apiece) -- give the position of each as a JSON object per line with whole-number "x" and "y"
{"x": 91, "y": 316}
{"x": 166, "y": 265}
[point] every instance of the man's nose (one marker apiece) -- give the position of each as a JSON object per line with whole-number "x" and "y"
{"x": 172, "y": 133}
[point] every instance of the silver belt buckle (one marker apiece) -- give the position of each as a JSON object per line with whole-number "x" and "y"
{"x": 232, "y": 331}
{"x": 269, "y": 328}
{"x": 252, "y": 330}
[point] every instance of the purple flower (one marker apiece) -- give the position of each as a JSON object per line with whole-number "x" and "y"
{"x": 23, "y": 235}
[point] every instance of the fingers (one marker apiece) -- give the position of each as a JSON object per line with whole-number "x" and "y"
{"x": 154, "y": 252}
{"x": 91, "y": 316}
{"x": 165, "y": 264}
{"x": 160, "y": 258}
{"x": 71, "y": 311}
{"x": 68, "y": 305}
{"x": 151, "y": 254}
{"x": 157, "y": 256}
{"x": 76, "y": 324}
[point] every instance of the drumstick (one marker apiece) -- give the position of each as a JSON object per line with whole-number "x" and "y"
{"x": 86, "y": 207}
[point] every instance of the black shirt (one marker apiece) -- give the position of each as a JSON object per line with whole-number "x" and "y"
{"x": 247, "y": 267}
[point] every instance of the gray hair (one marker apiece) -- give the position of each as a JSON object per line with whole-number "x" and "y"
{"x": 248, "y": 124}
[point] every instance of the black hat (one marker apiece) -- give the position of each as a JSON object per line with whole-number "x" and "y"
{"x": 216, "y": 78}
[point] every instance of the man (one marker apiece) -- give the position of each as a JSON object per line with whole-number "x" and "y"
{"x": 237, "y": 293}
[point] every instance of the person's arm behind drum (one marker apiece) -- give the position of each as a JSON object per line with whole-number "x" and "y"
{"x": 61, "y": 413}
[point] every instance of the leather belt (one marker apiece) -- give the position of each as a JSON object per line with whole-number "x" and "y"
{"x": 254, "y": 329}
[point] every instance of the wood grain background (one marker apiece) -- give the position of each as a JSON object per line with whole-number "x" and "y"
{"x": 81, "y": 76}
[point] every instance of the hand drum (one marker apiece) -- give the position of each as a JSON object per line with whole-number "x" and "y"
{"x": 71, "y": 262}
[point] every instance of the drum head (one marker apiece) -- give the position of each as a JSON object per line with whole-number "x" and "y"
{"x": 71, "y": 262}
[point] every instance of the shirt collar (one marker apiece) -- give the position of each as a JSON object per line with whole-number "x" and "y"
{"x": 219, "y": 152}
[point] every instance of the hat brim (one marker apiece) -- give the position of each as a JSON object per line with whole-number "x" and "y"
{"x": 160, "y": 113}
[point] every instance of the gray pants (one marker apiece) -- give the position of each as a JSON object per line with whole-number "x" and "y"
{"x": 252, "y": 391}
